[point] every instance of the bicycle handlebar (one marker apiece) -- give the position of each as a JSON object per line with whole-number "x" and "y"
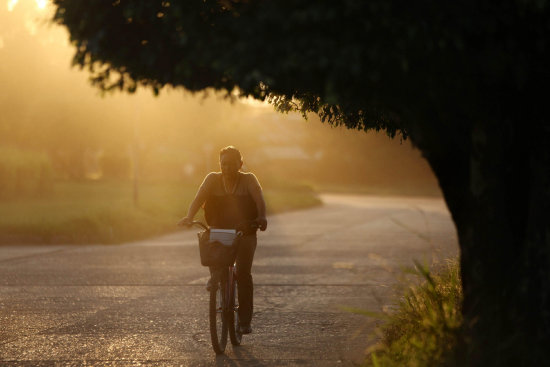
{"x": 240, "y": 227}
{"x": 198, "y": 224}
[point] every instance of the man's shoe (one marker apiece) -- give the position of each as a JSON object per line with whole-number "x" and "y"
{"x": 245, "y": 329}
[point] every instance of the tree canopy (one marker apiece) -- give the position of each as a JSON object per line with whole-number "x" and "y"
{"x": 368, "y": 64}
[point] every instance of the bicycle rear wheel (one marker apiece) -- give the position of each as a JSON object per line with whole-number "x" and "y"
{"x": 233, "y": 310}
{"x": 217, "y": 311}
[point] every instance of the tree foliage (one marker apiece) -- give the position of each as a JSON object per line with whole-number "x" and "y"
{"x": 375, "y": 64}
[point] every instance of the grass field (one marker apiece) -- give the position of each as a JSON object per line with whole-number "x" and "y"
{"x": 104, "y": 212}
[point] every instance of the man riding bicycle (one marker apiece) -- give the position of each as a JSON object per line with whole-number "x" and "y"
{"x": 231, "y": 198}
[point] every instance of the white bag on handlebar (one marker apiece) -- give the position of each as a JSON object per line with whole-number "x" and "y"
{"x": 224, "y": 236}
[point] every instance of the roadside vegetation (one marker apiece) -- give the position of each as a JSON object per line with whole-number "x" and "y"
{"x": 104, "y": 211}
{"x": 425, "y": 328}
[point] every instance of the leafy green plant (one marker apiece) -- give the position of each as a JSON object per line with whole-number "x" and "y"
{"x": 425, "y": 328}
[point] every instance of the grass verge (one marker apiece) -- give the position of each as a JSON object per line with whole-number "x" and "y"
{"x": 425, "y": 328}
{"x": 104, "y": 212}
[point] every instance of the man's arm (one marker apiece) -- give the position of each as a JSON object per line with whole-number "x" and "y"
{"x": 197, "y": 202}
{"x": 257, "y": 195}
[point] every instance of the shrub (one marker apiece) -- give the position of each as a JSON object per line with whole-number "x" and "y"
{"x": 425, "y": 329}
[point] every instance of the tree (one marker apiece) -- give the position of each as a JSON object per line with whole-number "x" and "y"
{"x": 462, "y": 79}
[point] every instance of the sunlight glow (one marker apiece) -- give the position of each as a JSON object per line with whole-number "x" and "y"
{"x": 1, "y": 43}
{"x": 41, "y": 4}
{"x": 254, "y": 102}
{"x": 11, "y": 4}
{"x": 31, "y": 26}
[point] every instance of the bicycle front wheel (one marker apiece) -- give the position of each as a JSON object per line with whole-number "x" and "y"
{"x": 233, "y": 310}
{"x": 218, "y": 324}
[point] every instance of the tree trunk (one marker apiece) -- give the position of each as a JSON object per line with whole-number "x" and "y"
{"x": 496, "y": 183}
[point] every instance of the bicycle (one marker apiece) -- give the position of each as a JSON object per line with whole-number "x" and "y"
{"x": 223, "y": 303}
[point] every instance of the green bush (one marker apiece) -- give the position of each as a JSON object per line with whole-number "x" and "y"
{"x": 24, "y": 173}
{"x": 425, "y": 329}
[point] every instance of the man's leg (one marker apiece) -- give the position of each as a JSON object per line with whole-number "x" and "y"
{"x": 245, "y": 255}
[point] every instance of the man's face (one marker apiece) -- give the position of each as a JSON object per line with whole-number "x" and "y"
{"x": 230, "y": 165}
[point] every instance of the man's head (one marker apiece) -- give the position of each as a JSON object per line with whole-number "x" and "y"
{"x": 231, "y": 161}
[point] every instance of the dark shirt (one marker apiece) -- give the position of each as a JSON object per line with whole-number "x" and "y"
{"x": 224, "y": 209}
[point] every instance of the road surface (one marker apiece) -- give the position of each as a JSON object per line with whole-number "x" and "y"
{"x": 145, "y": 303}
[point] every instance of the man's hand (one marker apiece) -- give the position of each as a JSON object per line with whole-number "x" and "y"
{"x": 185, "y": 221}
{"x": 262, "y": 223}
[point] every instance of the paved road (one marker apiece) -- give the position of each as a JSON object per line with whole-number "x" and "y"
{"x": 144, "y": 303}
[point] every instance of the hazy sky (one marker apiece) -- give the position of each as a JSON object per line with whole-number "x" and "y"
{"x": 38, "y": 84}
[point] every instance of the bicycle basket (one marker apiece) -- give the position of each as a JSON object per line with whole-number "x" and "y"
{"x": 215, "y": 253}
